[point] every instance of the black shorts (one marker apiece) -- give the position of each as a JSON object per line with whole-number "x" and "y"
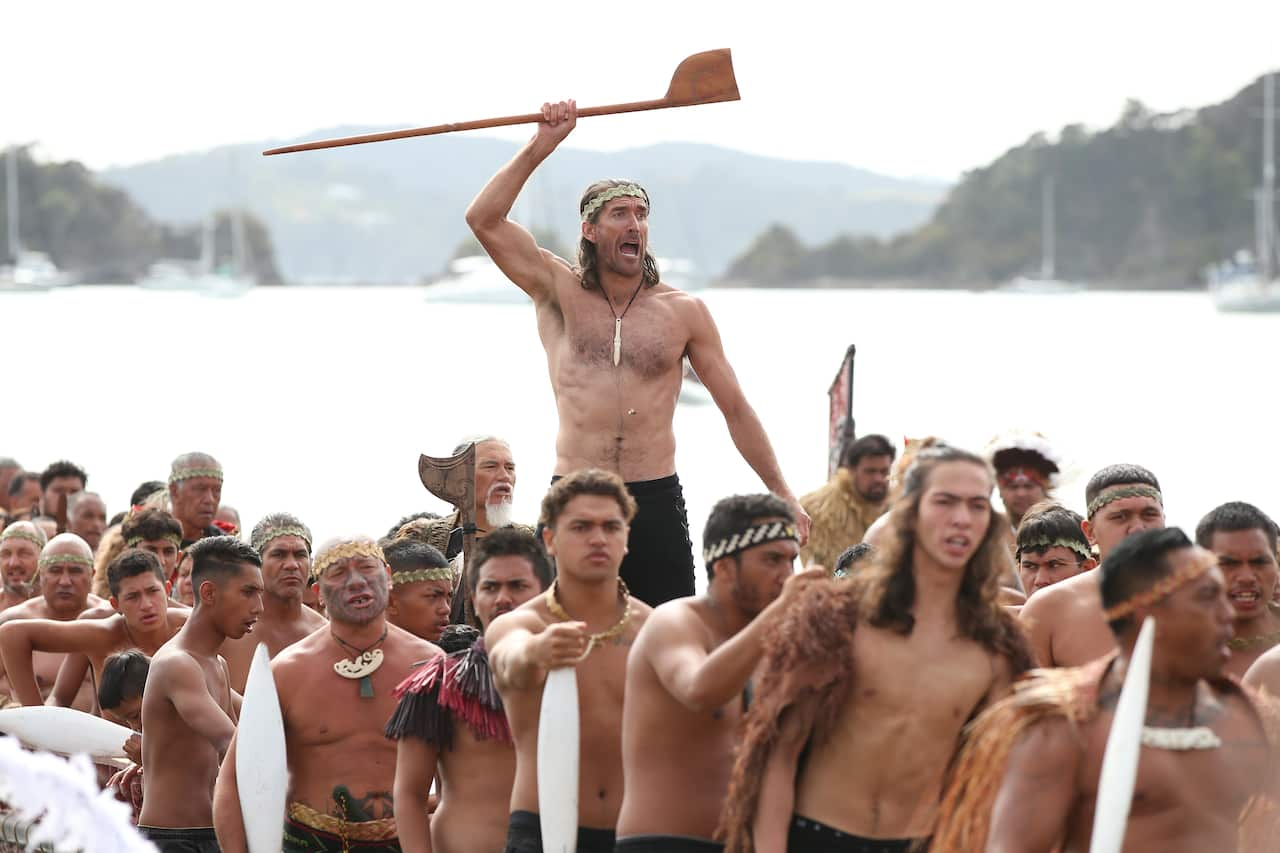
{"x": 524, "y": 835}
{"x": 659, "y": 562}
{"x": 809, "y": 835}
{"x": 181, "y": 840}
{"x": 667, "y": 844}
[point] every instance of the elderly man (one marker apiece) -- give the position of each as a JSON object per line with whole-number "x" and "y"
{"x": 337, "y": 689}
{"x": 66, "y": 568}
{"x": 844, "y": 508}
{"x": 284, "y": 544}
{"x": 20, "y": 546}
{"x": 195, "y": 490}
{"x": 87, "y": 517}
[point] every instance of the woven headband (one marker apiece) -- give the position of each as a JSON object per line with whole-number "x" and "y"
{"x": 1044, "y": 543}
{"x": 23, "y": 533}
{"x": 59, "y": 559}
{"x": 180, "y": 474}
{"x": 443, "y": 573}
{"x": 1162, "y": 588}
{"x": 1119, "y": 492}
{"x": 135, "y": 541}
{"x": 769, "y": 531}
{"x": 344, "y": 551}
{"x": 260, "y": 539}
{"x": 633, "y": 190}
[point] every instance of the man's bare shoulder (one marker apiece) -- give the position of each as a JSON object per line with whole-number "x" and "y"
{"x": 296, "y": 654}
{"x": 1062, "y": 598}
{"x": 32, "y": 608}
{"x": 1264, "y": 673}
{"x": 403, "y": 642}
{"x": 98, "y": 611}
{"x": 172, "y": 662}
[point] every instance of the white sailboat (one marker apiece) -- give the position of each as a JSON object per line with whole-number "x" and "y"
{"x": 22, "y": 269}
{"x": 203, "y": 275}
{"x": 1047, "y": 281}
{"x": 1249, "y": 282}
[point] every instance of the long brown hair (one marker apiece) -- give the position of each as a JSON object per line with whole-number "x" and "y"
{"x": 588, "y": 268}
{"x": 888, "y": 586}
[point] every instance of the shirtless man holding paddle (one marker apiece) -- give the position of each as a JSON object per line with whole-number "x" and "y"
{"x": 615, "y": 338}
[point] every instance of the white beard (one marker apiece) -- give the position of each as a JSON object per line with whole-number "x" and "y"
{"x": 499, "y": 514}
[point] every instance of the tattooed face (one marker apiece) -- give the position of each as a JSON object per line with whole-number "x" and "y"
{"x": 355, "y": 590}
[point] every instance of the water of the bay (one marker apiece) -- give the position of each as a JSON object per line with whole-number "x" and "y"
{"x": 318, "y": 401}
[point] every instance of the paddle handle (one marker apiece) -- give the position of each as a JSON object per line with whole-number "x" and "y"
{"x": 478, "y": 124}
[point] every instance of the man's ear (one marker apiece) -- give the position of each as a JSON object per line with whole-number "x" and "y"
{"x": 549, "y": 541}
{"x": 1087, "y": 529}
{"x": 115, "y": 604}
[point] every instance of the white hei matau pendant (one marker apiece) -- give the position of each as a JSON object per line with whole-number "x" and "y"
{"x": 617, "y": 340}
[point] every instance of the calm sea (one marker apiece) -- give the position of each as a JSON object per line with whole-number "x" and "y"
{"x": 318, "y": 401}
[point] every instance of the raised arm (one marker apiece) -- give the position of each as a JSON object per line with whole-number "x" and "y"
{"x": 510, "y": 246}
{"x": 415, "y": 768}
{"x": 228, "y": 821}
{"x": 706, "y": 355}
{"x": 22, "y": 637}
{"x": 184, "y": 686}
{"x": 1038, "y": 791}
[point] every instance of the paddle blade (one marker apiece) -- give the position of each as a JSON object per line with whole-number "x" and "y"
{"x": 704, "y": 78}
{"x": 451, "y": 478}
{"x": 1124, "y": 742}
{"x": 558, "y": 748}
{"x": 66, "y": 731}
{"x": 261, "y": 763}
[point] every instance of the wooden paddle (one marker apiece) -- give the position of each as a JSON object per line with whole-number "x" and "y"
{"x": 703, "y": 78}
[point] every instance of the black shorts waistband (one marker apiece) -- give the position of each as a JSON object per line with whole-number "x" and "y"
{"x": 667, "y": 844}
{"x": 588, "y": 838}
{"x": 645, "y": 487}
{"x": 808, "y": 834}
{"x": 178, "y": 833}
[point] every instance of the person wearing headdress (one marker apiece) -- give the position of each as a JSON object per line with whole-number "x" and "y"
{"x": 848, "y": 504}
{"x": 1243, "y": 538}
{"x": 421, "y": 588}
{"x": 866, "y": 682}
{"x": 615, "y": 338}
{"x": 1029, "y": 773}
{"x": 1051, "y": 547}
{"x": 20, "y": 546}
{"x": 195, "y": 489}
{"x": 64, "y": 571}
{"x": 450, "y": 720}
{"x": 1027, "y": 469}
{"x": 1064, "y": 621}
{"x": 284, "y": 544}
{"x": 336, "y": 689}
{"x": 157, "y": 531}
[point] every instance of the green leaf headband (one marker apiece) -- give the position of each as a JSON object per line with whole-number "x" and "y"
{"x": 343, "y": 551}
{"x": 58, "y": 559}
{"x": 1119, "y": 492}
{"x": 1044, "y": 543}
{"x": 135, "y": 541}
{"x": 769, "y": 531}
{"x": 23, "y": 533}
{"x": 633, "y": 190}
{"x": 180, "y": 474}
{"x": 261, "y": 539}
{"x": 443, "y": 573}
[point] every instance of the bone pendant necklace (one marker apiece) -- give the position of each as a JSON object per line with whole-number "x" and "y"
{"x": 617, "y": 320}
{"x": 363, "y": 664}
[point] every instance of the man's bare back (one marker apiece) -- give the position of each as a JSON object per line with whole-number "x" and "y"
{"x": 880, "y": 773}
{"x": 1064, "y": 622}
{"x": 601, "y": 682}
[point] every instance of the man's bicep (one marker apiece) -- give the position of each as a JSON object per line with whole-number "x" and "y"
{"x": 194, "y": 704}
{"x": 517, "y": 254}
{"x": 1038, "y": 790}
{"x": 675, "y": 655}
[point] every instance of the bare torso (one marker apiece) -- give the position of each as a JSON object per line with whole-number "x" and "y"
{"x": 677, "y": 761}
{"x": 601, "y": 683}
{"x": 616, "y": 418}
{"x": 1183, "y": 800}
{"x": 277, "y": 633}
{"x": 47, "y": 664}
{"x": 475, "y": 800}
{"x": 880, "y": 773}
{"x": 333, "y": 736}
{"x": 1065, "y": 623}
{"x": 179, "y": 766}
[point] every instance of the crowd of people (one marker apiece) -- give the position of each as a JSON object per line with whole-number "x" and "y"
{"x": 941, "y": 675}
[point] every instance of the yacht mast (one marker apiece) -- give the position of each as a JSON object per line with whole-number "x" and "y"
{"x": 1047, "y": 226}
{"x": 11, "y": 197}
{"x": 1265, "y": 219}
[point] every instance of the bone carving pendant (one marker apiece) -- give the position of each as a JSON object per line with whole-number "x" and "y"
{"x": 365, "y": 665}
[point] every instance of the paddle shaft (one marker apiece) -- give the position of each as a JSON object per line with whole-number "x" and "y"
{"x": 478, "y": 124}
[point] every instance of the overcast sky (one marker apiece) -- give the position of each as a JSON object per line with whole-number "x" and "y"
{"x": 910, "y": 89}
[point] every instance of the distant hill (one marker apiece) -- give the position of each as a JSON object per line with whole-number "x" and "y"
{"x": 1146, "y": 203}
{"x": 393, "y": 211}
{"x": 98, "y": 233}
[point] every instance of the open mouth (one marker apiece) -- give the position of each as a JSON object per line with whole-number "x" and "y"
{"x": 1244, "y": 598}
{"x": 630, "y": 249}
{"x": 956, "y": 544}
{"x": 360, "y": 600}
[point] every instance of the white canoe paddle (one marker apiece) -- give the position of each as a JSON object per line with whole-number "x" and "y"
{"x": 66, "y": 731}
{"x": 1124, "y": 742}
{"x": 558, "y": 747}
{"x": 261, "y": 769}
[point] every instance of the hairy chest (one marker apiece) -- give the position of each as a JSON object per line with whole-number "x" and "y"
{"x": 649, "y": 340}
